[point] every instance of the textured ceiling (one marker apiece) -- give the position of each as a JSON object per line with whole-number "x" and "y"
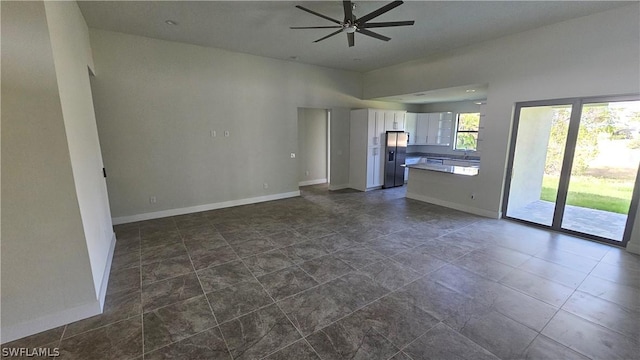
{"x": 262, "y": 27}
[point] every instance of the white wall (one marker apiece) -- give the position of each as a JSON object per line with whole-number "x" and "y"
{"x": 312, "y": 146}
{"x": 72, "y": 56}
{"x": 339, "y": 157}
{"x": 157, "y": 101}
{"x": 594, "y": 55}
{"x": 46, "y": 272}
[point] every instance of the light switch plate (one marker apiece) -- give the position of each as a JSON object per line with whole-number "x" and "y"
{"x": 293, "y": 155}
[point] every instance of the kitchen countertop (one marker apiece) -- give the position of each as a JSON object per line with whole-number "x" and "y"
{"x": 444, "y": 157}
{"x": 457, "y": 170}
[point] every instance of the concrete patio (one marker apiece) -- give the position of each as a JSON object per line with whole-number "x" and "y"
{"x": 591, "y": 221}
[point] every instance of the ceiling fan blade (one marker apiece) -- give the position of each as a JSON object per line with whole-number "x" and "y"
{"x": 379, "y": 12}
{"x": 318, "y": 14}
{"x": 372, "y": 34}
{"x": 328, "y": 36}
{"x": 386, "y": 24}
{"x": 348, "y": 10}
{"x": 316, "y": 27}
{"x": 351, "y": 38}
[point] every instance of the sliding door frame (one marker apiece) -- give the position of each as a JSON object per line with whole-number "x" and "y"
{"x": 567, "y": 164}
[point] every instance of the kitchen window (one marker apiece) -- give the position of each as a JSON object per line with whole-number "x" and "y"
{"x": 467, "y": 127}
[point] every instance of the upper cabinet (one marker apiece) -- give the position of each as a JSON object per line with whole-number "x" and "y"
{"x": 410, "y": 127}
{"x": 431, "y": 128}
{"x": 394, "y": 120}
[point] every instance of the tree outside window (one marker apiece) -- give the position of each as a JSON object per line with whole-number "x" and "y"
{"x": 467, "y": 128}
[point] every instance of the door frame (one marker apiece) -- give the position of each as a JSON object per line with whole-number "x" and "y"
{"x": 567, "y": 162}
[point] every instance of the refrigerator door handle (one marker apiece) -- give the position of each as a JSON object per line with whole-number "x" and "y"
{"x": 391, "y": 155}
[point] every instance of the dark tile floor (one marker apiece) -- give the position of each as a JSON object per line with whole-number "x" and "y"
{"x": 349, "y": 275}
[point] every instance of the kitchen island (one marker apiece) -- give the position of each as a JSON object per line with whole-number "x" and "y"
{"x": 452, "y": 185}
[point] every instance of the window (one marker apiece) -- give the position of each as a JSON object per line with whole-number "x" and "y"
{"x": 467, "y": 131}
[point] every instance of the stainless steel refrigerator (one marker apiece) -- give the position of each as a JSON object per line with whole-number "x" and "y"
{"x": 396, "y": 152}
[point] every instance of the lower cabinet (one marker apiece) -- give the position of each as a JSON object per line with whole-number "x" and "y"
{"x": 374, "y": 167}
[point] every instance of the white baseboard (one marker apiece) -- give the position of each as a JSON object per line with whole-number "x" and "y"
{"x": 468, "y": 209}
{"x": 107, "y": 270}
{"x": 312, "y": 182}
{"x": 47, "y": 322}
{"x": 199, "y": 208}
{"x": 338, "y": 187}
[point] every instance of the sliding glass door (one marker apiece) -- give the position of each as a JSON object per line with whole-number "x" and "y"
{"x": 573, "y": 166}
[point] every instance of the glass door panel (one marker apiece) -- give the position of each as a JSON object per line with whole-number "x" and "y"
{"x": 535, "y": 172}
{"x": 604, "y": 169}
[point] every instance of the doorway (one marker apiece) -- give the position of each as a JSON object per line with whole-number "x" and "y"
{"x": 313, "y": 146}
{"x": 573, "y": 166}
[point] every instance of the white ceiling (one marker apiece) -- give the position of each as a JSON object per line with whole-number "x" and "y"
{"x": 459, "y": 93}
{"x": 262, "y": 27}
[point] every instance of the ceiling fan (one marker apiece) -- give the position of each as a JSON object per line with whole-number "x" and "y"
{"x": 350, "y": 25}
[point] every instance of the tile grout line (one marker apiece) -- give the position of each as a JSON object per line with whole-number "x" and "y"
{"x": 560, "y": 308}
{"x": 452, "y": 329}
{"x": 215, "y": 318}
{"x": 62, "y": 336}
{"x": 354, "y": 311}
{"x": 141, "y": 290}
{"x": 273, "y": 303}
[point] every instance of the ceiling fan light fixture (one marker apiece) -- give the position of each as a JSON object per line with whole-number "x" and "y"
{"x": 349, "y": 29}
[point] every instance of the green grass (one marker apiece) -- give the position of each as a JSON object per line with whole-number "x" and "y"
{"x": 612, "y": 195}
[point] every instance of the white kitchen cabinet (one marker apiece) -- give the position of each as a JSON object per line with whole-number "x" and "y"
{"x": 375, "y": 127}
{"x": 400, "y": 120}
{"x": 394, "y": 120}
{"x": 440, "y": 129}
{"x": 434, "y": 129}
{"x": 410, "y": 127}
{"x": 367, "y": 143}
{"x": 374, "y": 177}
{"x": 422, "y": 128}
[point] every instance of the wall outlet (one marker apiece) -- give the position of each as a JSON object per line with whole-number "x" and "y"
{"x": 265, "y": 185}
{"x": 212, "y": 133}
{"x": 306, "y": 173}
{"x": 226, "y": 133}
{"x": 152, "y": 200}
{"x": 293, "y": 155}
